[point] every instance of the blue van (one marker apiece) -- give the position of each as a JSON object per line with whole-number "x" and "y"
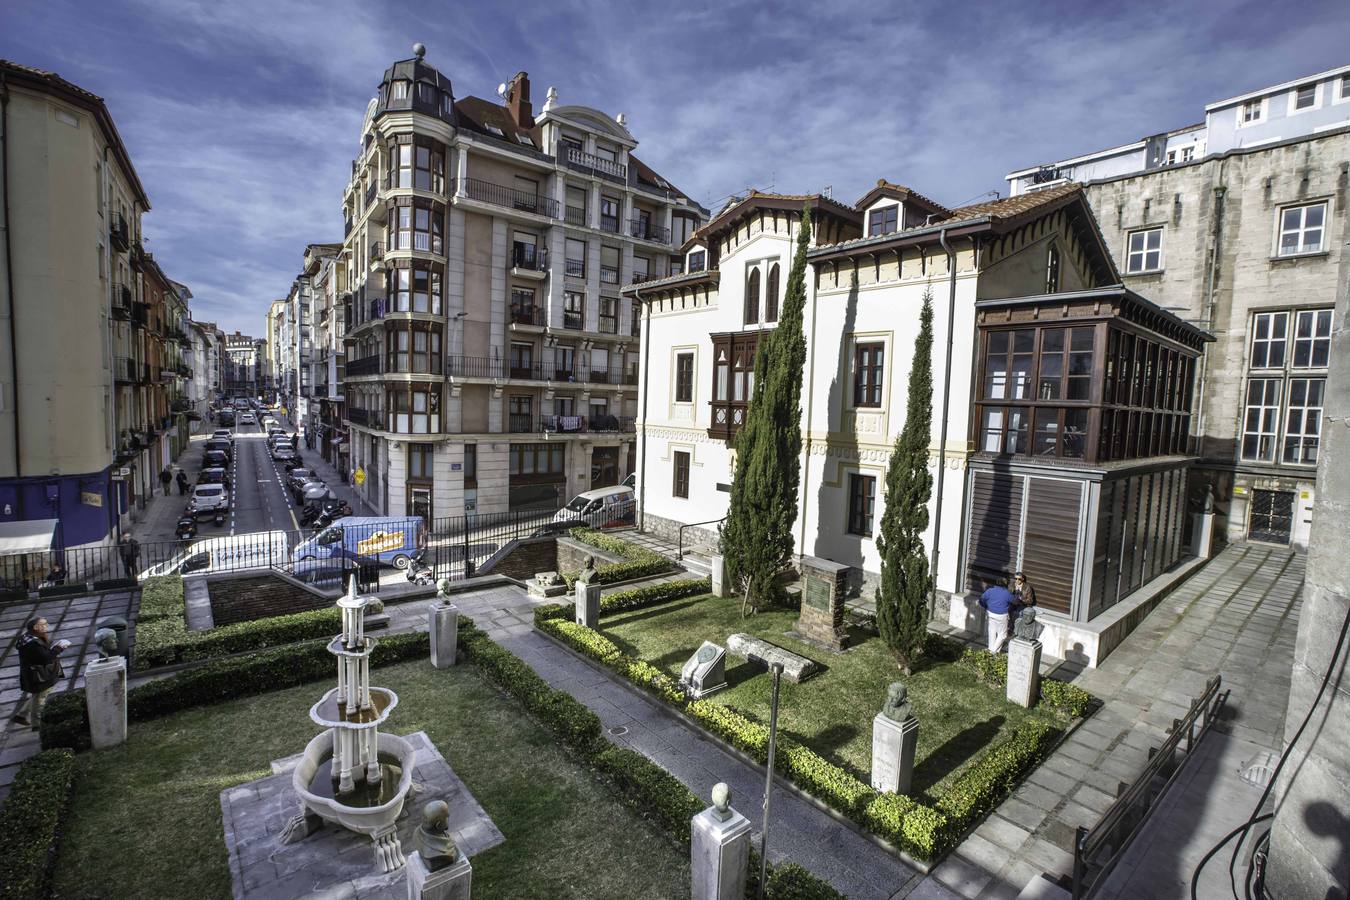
{"x": 393, "y": 540}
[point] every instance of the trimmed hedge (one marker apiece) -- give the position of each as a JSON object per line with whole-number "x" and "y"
{"x": 30, "y": 824}
{"x": 163, "y": 638}
{"x": 631, "y": 599}
{"x": 65, "y": 721}
{"x": 920, "y": 830}
{"x": 639, "y": 562}
{"x": 992, "y": 669}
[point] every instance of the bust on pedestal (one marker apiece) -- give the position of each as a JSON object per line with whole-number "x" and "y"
{"x": 105, "y": 692}
{"x": 895, "y": 735}
{"x": 588, "y": 596}
{"x": 1024, "y": 660}
{"x": 437, "y": 870}
{"x": 719, "y": 850}
{"x": 443, "y": 625}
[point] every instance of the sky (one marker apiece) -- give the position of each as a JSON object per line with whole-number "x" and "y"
{"x": 242, "y": 116}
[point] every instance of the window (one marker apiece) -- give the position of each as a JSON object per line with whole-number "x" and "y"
{"x": 698, "y": 260}
{"x": 536, "y": 459}
{"x": 574, "y": 306}
{"x": 526, "y": 197}
{"x": 564, "y": 357}
{"x": 684, "y": 378}
{"x": 883, "y": 220}
{"x": 494, "y": 130}
{"x": 641, "y": 268}
{"x": 1251, "y": 112}
{"x": 771, "y": 295}
{"x": 861, "y": 497}
{"x": 401, "y": 166}
{"x": 1052, "y": 270}
{"x": 1144, "y": 253}
{"x": 400, "y": 91}
{"x": 1008, "y": 365}
{"x": 522, "y": 306}
{"x": 609, "y": 315}
{"x": 1305, "y": 97}
{"x": 635, "y": 319}
{"x": 1303, "y": 422}
{"x": 752, "y": 298}
{"x": 576, "y": 206}
{"x": 609, "y": 214}
{"x": 681, "y": 486}
{"x": 681, "y": 229}
{"x": 1301, "y": 228}
{"x": 868, "y": 367}
{"x": 421, "y": 461}
{"x": 1269, "y": 332}
{"x": 1187, "y": 154}
{"x": 576, "y": 258}
{"x": 1261, "y": 419}
{"x": 1312, "y": 339}
{"x": 1345, "y": 87}
{"x": 429, "y": 171}
{"x": 609, "y": 265}
{"x": 522, "y": 360}
{"x": 1005, "y": 429}
{"x": 524, "y": 139}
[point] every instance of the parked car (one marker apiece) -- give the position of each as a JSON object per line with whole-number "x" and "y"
{"x": 214, "y": 475}
{"x": 600, "y": 508}
{"x": 210, "y": 498}
{"x": 215, "y": 459}
{"x": 247, "y": 418}
{"x": 225, "y": 554}
{"x": 282, "y": 451}
{"x": 391, "y": 540}
{"x": 220, "y": 444}
{"x": 222, "y": 434}
{"x": 275, "y": 434}
{"x": 298, "y": 477}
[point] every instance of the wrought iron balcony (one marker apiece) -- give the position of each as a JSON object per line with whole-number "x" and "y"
{"x": 528, "y": 315}
{"x": 609, "y": 275}
{"x": 125, "y": 370}
{"x": 366, "y": 365}
{"x": 366, "y": 418}
{"x": 377, "y": 250}
{"x": 643, "y": 229}
{"x": 576, "y": 215}
{"x": 574, "y": 268}
{"x": 501, "y": 195}
{"x": 608, "y": 168}
{"x": 119, "y": 233}
{"x": 529, "y": 257}
{"x": 121, "y": 301}
{"x": 609, "y": 223}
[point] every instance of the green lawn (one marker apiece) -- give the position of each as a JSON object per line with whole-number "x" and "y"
{"x": 145, "y": 817}
{"x": 831, "y": 712}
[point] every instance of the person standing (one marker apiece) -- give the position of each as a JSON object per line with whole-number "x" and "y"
{"x": 130, "y": 551}
{"x": 997, "y": 602}
{"x": 182, "y": 482}
{"x": 165, "y": 479}
{"x": 1023, "y": 593}
{"x": 39, "y": 669}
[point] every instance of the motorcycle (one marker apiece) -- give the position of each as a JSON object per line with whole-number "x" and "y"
{"x": 187, "y": 527}
{"x": 420, "y": 573}
{"x": 330, "y": 515}
{"x": 219, "y": 517}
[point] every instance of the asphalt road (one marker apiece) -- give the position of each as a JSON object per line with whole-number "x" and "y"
{"x": 259, "y": 501}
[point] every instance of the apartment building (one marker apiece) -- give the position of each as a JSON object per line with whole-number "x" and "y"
{"x": 243, "y": 356}
{"x": 272, "y": 375}
{"x": 1238, "y": 225}
{"x": 74, "y": 369}
{"x": 1068, "y": 396}
{"x": 326, "y": 268}
{"x": 492, "y": 362}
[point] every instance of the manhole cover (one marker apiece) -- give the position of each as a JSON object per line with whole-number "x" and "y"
{"x": 618, "y": 730}
{"x": 1257, "y": 772}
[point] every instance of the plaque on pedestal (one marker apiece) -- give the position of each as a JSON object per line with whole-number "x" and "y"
{"x": 705, "y": 672}
{"x": 588, "y": 604}
{"x": 893, "y": 745}
{"x": 1024, "y": 671}
{"x": 824, "y": 585}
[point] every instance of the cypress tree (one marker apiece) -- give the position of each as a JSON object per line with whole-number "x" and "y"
{"x": 902, "y": 599}
{"x": 756, "y": 539}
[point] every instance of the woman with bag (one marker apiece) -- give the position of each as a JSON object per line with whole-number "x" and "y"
{"x": 39, "y": 668}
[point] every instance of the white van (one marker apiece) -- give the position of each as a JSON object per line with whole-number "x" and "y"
{"x": 601, "y": 507}
{"x": 226, "y": 554}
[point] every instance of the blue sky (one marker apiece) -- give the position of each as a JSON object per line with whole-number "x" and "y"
{"x": 242, "y": 116}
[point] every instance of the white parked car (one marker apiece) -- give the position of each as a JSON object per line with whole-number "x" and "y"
{"x": 248, "y": 418}
{"x": 208, "y": 498}
{"x": 600, "y": 508}
{"x": 283, "y": 452}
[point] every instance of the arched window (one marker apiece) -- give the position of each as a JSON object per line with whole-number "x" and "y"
{"x": 752, "y": 298}
{"x": 771, "y": 296}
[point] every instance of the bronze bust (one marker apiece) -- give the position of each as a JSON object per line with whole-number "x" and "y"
{"x": 897, "y": 707}
{"x": 433, "y": 836}
{"x": 1025, "y": 627}
{"x": 588, "y": 573}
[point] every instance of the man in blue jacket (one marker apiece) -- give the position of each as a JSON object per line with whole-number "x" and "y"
{"x": 998, "y": 602}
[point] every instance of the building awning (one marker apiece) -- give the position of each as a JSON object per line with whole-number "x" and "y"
{"x": 33, "y": 536}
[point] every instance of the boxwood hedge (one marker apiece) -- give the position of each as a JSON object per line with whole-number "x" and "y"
{"x": 992, "y": 669}
{"x": 638, "y": 562}
{"x": 30, "y": 823}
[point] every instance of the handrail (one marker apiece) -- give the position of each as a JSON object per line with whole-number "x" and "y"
{"x": 1134, "y": 801}
{"x": 679, "y": 538}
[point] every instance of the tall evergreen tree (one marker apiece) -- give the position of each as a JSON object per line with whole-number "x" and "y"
{"x": 902, "y": 599}
{"x": 756, "y": 540}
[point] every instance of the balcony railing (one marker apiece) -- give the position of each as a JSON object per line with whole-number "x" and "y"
{"x": 525, "y": 423}
{"x": 528, "y": 315}
{"x": 371, "y": 191}
{"x": 609, "y": 223}
{"x": 520, "y": 423}
{"x": 140, "y": 315}
{"x": 576, "y": 215}
{"x": 119, "y": 233}
{"x": 574, "y": 321}
{"x": 124, "y": 370}
{"x": 121, "y": 301}
{"x": 366, "y": 365}
{"x": 643, "y": 229}
{"x": 609, "y": 325}
{"x": 367, "y": 418}
{"x": 475, "y": 367}
{"x": 501, "y": 195}
{"x": 377, "y": 250}
{"x": 528, "y": 256}
{"x": 579, "y": 159}
{"x": 574, "y": 268}
{"x": 609, "y": 275}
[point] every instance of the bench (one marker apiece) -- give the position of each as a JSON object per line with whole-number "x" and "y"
{"x": 796, "y": 668}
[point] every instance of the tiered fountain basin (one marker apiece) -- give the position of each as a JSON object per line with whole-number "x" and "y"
{"x": 369, "y": 808}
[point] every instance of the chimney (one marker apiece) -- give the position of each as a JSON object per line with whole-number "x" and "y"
{"x": 518, "y": 100}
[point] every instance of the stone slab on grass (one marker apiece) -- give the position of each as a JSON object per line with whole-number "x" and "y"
{"x": 333, "y": 861}
{"x": 795, "y": 668}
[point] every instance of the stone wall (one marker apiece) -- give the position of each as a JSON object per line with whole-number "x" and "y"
{"x": 701, "y": 536}
{"x": 524, "y": 559}
{"x": 244, "y": 599}
{"x": 572, "y": 555}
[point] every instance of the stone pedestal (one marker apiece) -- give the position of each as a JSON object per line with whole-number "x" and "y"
{"x": 443, "y": 625}
{"x": 705, "y": 672}
{"x": 719, "y": 855}
{"x": 718, "y": 575}
{"x": 893, "y": 745}
{"x": 105, "y": 692}
{"x": 1024, "y": 671}
{"x": 824, "y": 585}
{"x": 449, "y": 883}
{"x": 588, "y": 604}
{"x": 1202, "y": 535}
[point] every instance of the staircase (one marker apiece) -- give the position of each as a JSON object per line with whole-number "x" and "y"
{"x": 697, "y": 562}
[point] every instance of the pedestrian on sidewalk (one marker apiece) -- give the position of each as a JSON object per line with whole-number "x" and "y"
{"x": 997, "y": 602}
{"x": 182, "y": 482}
{"x": 130, "y": 551}
{"x": 39, "y": 669}
{"x": 165, "y": 479}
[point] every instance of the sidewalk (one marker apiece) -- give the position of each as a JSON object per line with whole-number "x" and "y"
{"x": 159, "y": 520}
{"x": 1236, "y": 617}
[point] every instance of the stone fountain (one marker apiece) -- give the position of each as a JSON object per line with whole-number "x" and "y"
{"x": 350, "y": 774}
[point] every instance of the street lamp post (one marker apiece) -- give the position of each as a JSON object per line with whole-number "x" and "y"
{"x": 777, "y": 670}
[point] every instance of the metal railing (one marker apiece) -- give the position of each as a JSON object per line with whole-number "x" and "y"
{"x": 575, "y": 215}
{"x": 574, "y": 268}
{"x": 501, "y": 195}
{"x": 119, "y": 233}
{"x": 528, "y": 315}
{"x": 529, "y": 257}
{"x": 645, "y": 230}
{"x": 366, "y": 365}
{"x": 125, "y": 369}
{"x": 366, "y": 418}
{"x": 609, "y": 275}
{"x": 609, "y": 223}
{"x": 377, "y": 250}
{"x": 679, "y": 536}
{"x": 1099, "y": 848}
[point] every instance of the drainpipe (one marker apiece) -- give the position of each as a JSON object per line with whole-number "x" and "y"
{"x": 642, "y": 415}
{"x": 9, "y": 273}
{"x": 946, "y": 404}
{"x": 1211, "y": 288}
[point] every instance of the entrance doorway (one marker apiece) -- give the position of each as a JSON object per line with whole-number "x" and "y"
{"x": 419, "y": 502}
{"x": 604, "y": 467}
{"x": 1272, "y": 516}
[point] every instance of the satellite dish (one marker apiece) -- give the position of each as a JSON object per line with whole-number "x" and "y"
{"x": 501, "y": 89}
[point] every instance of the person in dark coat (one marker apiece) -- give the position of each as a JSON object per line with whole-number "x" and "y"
{"x": 182, "y": 482}
{"x": 165, "y": 479}
{"x": 1023, "y": 593}
{"x": 130, "y": 551}
{"x": 39, "y": 669}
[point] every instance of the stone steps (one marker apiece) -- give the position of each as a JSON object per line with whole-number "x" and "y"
{"x": 696, "y": 561}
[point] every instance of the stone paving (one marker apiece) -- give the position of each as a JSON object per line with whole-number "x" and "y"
{"x": 1236, "y": 617}
{"x": 72, "y": 618}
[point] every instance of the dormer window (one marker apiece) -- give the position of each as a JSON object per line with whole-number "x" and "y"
{"x": 524, "y": 139}
{"x": 883, "y": 220}
{"x": 399, "y": 91}
{"x": 698, "y": 260}
{"x": 1305, "y": 97}
{"x": 494, "y": 130}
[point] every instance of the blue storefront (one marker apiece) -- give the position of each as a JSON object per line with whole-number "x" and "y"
{"x": 86, "y": 505}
